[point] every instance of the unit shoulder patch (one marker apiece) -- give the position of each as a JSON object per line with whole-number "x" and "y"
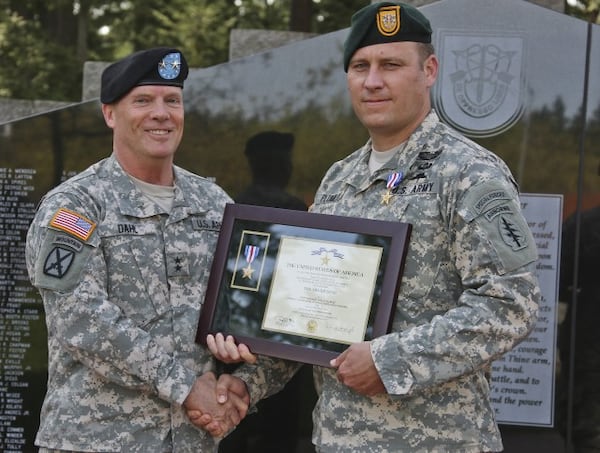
{"x": 58, "y": 262}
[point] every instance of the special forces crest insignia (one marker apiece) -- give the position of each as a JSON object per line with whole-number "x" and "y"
{"x": 479, "y": 91}
{"x": 388, "y": 20}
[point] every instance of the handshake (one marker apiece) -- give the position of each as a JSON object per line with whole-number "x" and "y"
{"x": 218, "y": 406}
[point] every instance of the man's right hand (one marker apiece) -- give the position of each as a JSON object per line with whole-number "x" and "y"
{"x": 225, "y": 349}
{"x": 220, "y": 410}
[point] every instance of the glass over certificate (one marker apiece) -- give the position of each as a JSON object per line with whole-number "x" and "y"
{"x": 322, "y": 289}
{"x": 302, "y": 286}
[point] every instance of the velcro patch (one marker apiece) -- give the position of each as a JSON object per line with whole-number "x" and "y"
{"x": 58, "y": 262}
{"x": 512, "y": 233}
{"x": 73, "y": 223}
{"x": 63, "y": 239}
{"x": 490, "y": 197}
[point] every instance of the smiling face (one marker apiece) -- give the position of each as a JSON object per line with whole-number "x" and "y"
{"x": 389, "y": 87}
{"x": 147, "y": 128}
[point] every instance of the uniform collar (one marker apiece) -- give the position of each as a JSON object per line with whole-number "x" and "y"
{"x": 133, "y": 202}
{"x": 358, "y": 174}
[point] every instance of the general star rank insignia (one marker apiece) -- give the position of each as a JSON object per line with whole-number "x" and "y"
{"x": 177, "y": 265}
{"x": 170, "y": 66}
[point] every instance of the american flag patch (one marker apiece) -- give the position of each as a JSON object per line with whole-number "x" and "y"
{"x": 72, "y": 223}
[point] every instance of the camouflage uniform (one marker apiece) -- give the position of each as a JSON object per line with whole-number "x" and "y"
{"x": 121, "y": 308}
{"x": 468, "y": 294}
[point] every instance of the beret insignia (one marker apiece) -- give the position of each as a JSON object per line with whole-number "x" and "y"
{"x": 157, "y": 66}
{"x": 170, "y": 66}
{"x": 384, "y": 22}
{"x": 388, "y": 20}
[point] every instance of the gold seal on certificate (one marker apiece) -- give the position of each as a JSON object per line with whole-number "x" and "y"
{"x": 302, "y": 286}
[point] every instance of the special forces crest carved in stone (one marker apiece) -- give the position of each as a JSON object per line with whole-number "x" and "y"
{"x": 480, "y": 85}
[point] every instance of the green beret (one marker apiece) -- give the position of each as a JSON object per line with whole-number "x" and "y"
{"x": 158, "y": 66}
{"x": 385, "y": 22}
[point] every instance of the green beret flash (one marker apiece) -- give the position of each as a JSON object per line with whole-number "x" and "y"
{"x": 385, "y": 22}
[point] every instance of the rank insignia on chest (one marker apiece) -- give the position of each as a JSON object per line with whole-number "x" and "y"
{"x": 177, "y": 265}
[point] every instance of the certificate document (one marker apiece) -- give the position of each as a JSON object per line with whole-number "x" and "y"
{"x": 322, "y": 289}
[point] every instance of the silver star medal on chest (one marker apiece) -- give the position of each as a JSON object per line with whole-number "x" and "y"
{"x": 393, "y": 180}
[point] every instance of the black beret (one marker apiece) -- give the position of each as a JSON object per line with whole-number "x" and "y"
{"x": 384, "y": 22}
{"x": 158, "y": 66}
{"x": 269, "y": 141}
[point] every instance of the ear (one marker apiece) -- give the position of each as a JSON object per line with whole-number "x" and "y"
{"x": 108, "y": 113}
{"x": 431, "y": 67}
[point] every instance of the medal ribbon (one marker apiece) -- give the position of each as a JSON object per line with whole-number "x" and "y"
{"x": 251, "y": 252}
{"x": 393, "y": 180}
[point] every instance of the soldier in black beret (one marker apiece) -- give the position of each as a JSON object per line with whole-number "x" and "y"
{"x": 120, "y": 254}
{"x": 158, "y": 66}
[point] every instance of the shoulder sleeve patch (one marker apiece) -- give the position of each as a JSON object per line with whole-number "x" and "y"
{"x": 73, "y": 223}
{"x": 495, "y": 209}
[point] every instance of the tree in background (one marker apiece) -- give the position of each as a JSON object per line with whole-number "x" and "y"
{"x": 588, "y": 10}
{"x": 44, "y": 43}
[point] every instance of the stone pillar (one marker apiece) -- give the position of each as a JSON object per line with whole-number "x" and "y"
{"x": 92, "y": 70}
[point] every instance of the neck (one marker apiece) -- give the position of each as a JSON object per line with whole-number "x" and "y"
{"x": 156, "y": 171}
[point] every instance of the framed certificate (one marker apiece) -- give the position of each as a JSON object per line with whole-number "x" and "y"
{"x": 302, "y": 286}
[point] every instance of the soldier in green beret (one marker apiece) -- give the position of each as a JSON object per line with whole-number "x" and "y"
{"x": 121, "y": 254}
{"x": 469, "y": 292}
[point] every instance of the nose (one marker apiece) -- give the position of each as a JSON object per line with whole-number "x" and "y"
{"x": 160, "y": 110}
{"x": 373, "y": 79}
